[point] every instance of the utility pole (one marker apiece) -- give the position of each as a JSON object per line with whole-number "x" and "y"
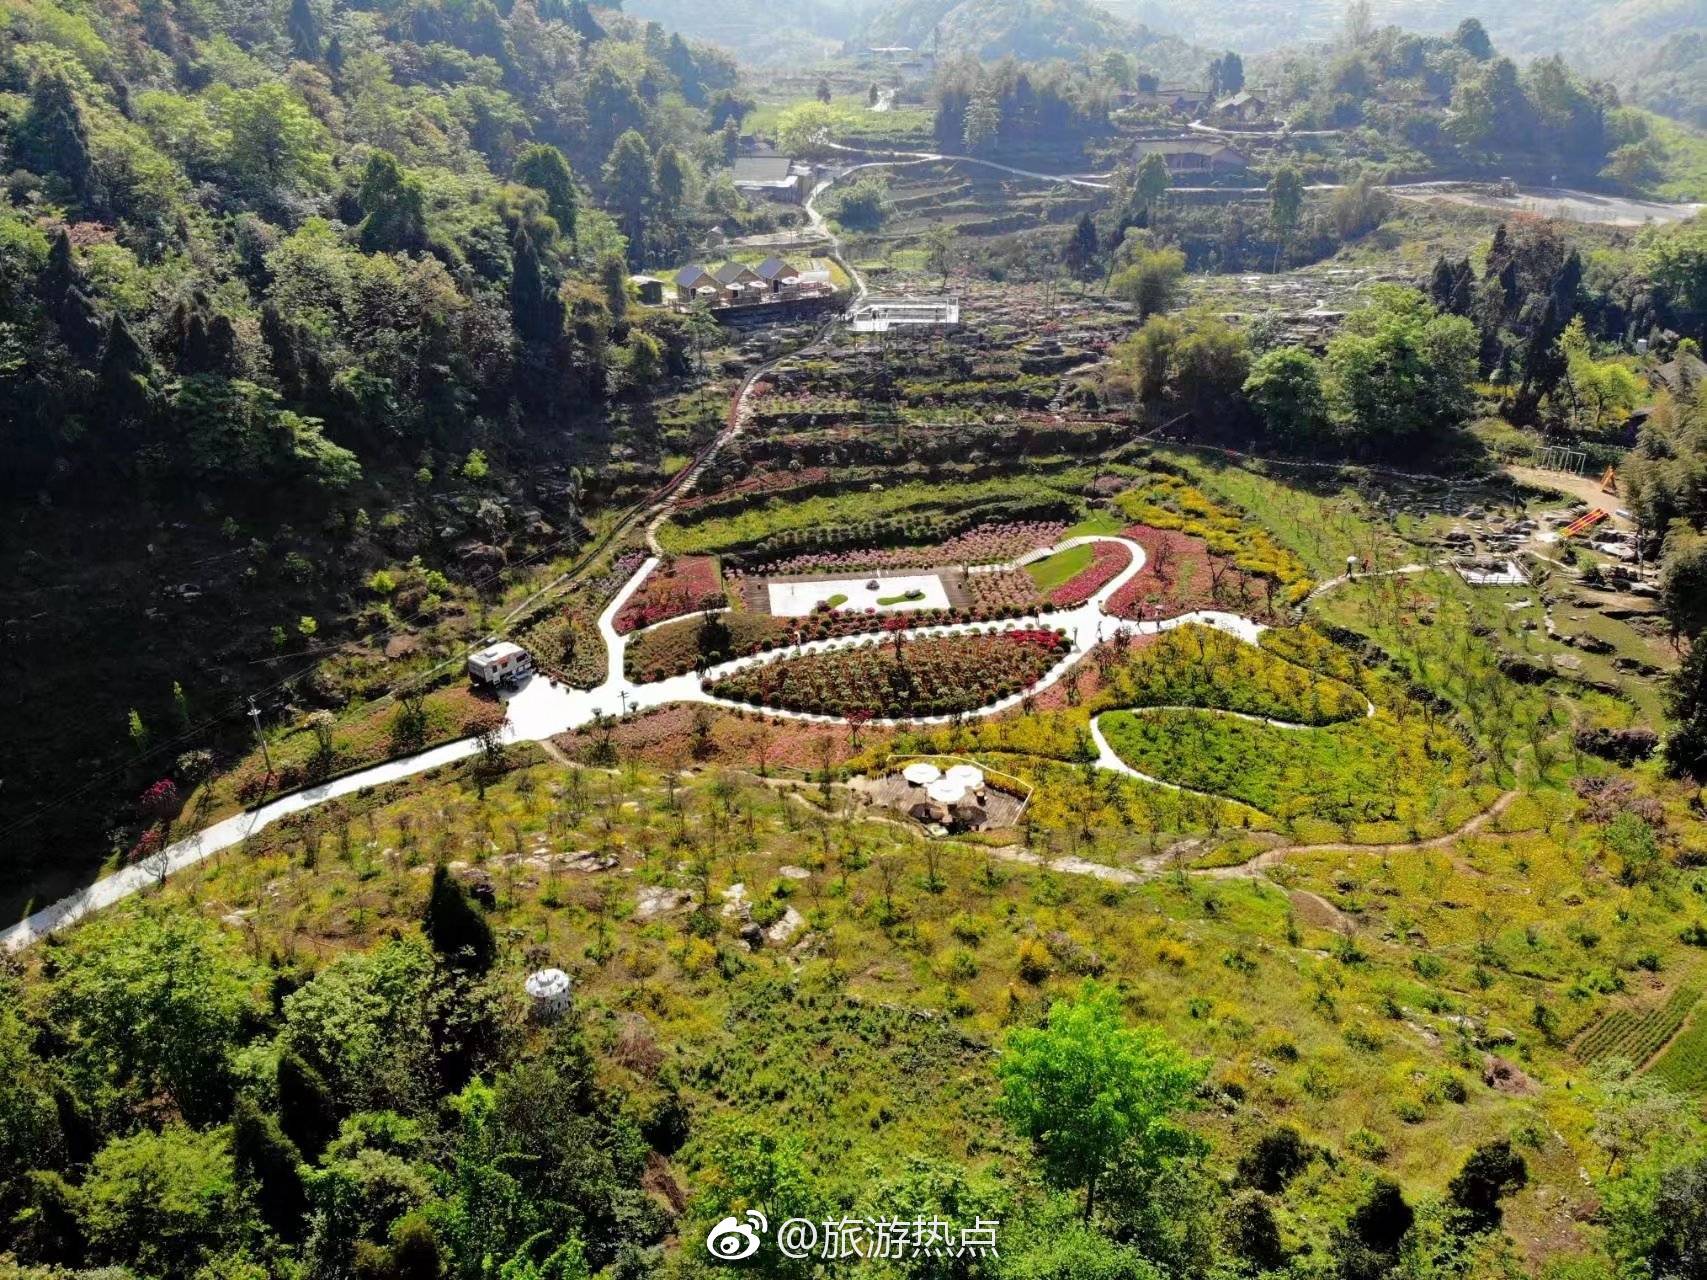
{"x": 255, "y": 718}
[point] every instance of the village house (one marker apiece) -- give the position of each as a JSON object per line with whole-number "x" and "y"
{"x": 649, "y": 289}
{"x": 735, "y": 284}
{"x": 1192, "y": 157}
{"x": 1244, "y": 108}
{"x": 772, "y": 177}
{"x": 779, "y": 275}
{"x": 694, "y": 282}
{"x": 738, "y": 283}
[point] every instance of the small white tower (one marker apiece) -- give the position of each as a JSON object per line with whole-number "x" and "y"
{"x": 549, "y": 991}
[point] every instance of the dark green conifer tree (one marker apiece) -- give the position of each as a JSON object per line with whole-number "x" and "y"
{"x": 52, "y": 139}
{"x": 304, "y": 30}
{"x": 456, "y": 928}
{"x": 307, "y": 1115}
{"x": 270, "y": 1163}
{"x": 533, "y": 302}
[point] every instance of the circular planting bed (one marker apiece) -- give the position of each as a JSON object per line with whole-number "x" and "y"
{"x": 896, "y": 679}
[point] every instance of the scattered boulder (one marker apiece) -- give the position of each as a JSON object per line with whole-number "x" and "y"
{"x": 784, "y": 929}
{"x": 653, "y": 901}
{"x": 1622, "y": 746}
{"x": 1523, "y": 670}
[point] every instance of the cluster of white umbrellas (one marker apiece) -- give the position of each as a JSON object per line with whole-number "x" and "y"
{"x": 948, "y": 788}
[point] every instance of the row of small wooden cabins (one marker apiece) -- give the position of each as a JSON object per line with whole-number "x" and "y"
{"x": 735, "y": 284}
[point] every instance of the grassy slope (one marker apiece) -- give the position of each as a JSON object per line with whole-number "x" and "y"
{"x": 1284, "y": 1009}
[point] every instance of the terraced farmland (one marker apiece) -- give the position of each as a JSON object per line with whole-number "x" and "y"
{"x": 1637, "y": 1034}
{"x": 1684, "y": 1063}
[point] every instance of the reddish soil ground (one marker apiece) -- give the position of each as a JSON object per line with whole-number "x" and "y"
{"x": 1175, "y": 578}
{"x": 666, "y": 737}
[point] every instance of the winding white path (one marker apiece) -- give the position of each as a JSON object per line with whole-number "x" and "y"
{"x": 541, "y": 709}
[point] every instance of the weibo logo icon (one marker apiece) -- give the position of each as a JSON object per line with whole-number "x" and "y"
{"x": 732, "y": 1240}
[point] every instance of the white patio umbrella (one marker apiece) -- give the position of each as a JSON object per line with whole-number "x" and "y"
{"x": 945, "y": 792}
{"x": 921, "y": 773}
{"x": 969, "y": 776}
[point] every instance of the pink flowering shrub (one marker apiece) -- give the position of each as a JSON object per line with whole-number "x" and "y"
{"x": 1006, "y": 588}
{"x": 1108, "y": 559}
{"x": 897, "y": 678}
{"x": 676, "y": 587}
{"x": 149, "y": 843}
{"x": 986, "y": 544}
{"x": 161, "y": 800}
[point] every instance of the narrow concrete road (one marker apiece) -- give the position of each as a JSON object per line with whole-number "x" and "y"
{"x": 541, "y": 709}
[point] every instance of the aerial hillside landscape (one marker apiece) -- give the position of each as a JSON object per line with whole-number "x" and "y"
{"x": 1007, "y": 640}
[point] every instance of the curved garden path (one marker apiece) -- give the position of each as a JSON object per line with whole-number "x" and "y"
{"x": 1254, "y": 867}
{"x": 541, "y": 709}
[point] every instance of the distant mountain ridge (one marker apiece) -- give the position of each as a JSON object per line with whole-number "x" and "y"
{"x": 1030, "y": 30}
{"x": 1655, "y": 51}
{"x": 755, "y": 30}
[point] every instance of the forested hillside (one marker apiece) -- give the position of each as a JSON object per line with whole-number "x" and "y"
{"x": 291, "y": 293}
{"x": 1651, "y": 49}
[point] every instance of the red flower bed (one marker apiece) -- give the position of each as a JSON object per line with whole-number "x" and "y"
{"x": 1175, "y": 578}
{"x": 896, "y": 679}
{"x": 676, "y": 650}
{"x": 1108, "y": 559}
{"x": 984, "y": 544}
{"x": 674, "y": 588}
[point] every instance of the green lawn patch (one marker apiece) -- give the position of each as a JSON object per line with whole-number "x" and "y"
{"x": 1062, "y": 567}
{"x": 1363, "y": 778}
{"x": 903, "y": 598}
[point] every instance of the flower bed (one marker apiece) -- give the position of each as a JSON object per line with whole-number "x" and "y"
{"x": 987, "y": 544}
{"x": 1175, "y": 578}
{"x": 676, "y": 587}
{"x": 1107, "y": 560}
{"x": 1165, "y": 501}
{"x": 672, "y": 736}
{"x": 566, "y": 645}
{"x": 692, "y": 644}
{"x": 597, "y": 592}
{"x": 1005, "y": 588}
{"x": 938, "y": 675}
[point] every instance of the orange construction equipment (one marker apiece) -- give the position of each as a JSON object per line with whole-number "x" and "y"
{"x": 1582, "y": 524}
{"x": 1609, "y": 482}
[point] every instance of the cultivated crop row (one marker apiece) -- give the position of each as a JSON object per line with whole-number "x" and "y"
{"x": 1636, "y": 1034}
